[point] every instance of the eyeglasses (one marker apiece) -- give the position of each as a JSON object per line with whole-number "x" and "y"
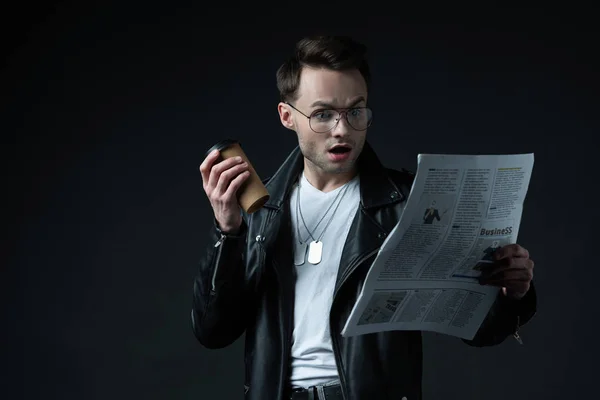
{"x": 324, "y": 120}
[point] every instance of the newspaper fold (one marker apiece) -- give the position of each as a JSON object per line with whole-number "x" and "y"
{"x": 460, "y": 209}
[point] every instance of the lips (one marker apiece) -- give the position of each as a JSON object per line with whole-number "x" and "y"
{"x": 340, "y": 148}
{"x": 339, "y": 153}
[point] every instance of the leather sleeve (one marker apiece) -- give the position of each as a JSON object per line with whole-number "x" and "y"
{"x": 220, "y": 301}
{"x": 505, "y": 319}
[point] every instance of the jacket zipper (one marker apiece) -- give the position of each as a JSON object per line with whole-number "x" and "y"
{"x": 217, "y": 259}
{"x": 263, "y": 258}
{"x": 336, "y": 351}
{"x": 516, "y": 333}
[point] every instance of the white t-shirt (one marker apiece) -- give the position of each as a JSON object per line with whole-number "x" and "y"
{"x": 312, "y": 359}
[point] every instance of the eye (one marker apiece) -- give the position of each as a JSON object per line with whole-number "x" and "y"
{"x": 355, "y": 112}
{"x": 323, "y": 115}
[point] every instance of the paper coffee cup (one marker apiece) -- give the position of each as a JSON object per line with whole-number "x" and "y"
{"x": 253, "y": 194}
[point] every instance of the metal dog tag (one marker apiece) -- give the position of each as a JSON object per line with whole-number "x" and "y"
{"x": 300, "y": 254}
{"x": 315, "y": 251}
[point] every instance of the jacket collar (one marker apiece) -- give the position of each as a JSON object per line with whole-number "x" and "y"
{"x": 376, "y": 188}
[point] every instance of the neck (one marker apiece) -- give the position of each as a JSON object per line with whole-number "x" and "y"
{"x": 327, "y": 181}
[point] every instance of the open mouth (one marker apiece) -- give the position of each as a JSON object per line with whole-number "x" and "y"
{"x": 340, "y": 150}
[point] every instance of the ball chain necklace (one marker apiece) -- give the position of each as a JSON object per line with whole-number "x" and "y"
{"x": 315, "y": 247}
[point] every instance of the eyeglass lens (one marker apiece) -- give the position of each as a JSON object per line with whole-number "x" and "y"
{"x": 325, "y": 120}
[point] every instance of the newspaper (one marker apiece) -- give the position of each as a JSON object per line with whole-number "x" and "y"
{"x": 424, "y": 277}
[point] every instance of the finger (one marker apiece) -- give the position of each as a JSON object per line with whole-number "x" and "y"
{"x": 227, "y": 176}
{"x": 508, "y": 274}
{"x": 207, "y": 164}
{"x": 219, "y": 168}
{"x": 507, "y": 265}
{"x": 512, "y": 285}
{"x": 511, "y": 250}
{"x": 515, "y": 293}
{"x": 504, "y": 280}
{"x": 515, "y": 289}
{"x": 235, "y": 184}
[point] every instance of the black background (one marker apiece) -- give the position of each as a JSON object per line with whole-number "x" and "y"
{"x": 109, "y": 109}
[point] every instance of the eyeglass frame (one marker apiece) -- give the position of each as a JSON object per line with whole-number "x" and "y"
{"x": 343, "y": 114}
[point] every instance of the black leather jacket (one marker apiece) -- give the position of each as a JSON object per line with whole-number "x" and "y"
{"x": 245, "y": 284}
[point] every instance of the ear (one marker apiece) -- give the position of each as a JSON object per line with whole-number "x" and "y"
{"x": 285, "y": 116}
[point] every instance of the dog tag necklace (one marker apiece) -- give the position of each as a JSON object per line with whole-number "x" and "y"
{"x": 315, "y": 248}
{"x": 301, "y": 246}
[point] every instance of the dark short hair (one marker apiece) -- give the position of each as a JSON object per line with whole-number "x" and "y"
{"x": 339, "y": 53}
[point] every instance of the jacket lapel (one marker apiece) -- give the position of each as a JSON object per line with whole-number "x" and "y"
{"x": 369, "y": 228}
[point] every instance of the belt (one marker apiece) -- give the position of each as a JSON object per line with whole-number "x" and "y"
{"x": 332, "y": 392}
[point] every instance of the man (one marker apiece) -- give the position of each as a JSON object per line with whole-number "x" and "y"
{"x": 431, "y": 213}
{"x": 488, "y": 253}
{"x": 288, "y": 275}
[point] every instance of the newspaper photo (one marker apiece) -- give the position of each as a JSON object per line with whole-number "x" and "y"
{"x": 425, "y": 276}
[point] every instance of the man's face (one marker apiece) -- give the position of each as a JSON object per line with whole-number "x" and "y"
{"x": 322, "y": 89}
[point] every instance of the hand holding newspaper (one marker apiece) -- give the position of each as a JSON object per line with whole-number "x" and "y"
{"x": 425, "y": 276}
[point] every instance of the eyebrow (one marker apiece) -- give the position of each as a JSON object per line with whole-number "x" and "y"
{"x": 320, "y": 103}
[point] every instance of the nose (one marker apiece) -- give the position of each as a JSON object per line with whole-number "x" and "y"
{"x": 341, "y": 128}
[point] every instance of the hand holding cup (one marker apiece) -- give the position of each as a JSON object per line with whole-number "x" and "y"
{"x": 231, "y": 184}
{"x": 221, "y": 182}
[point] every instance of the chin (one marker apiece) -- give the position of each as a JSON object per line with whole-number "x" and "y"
{"x": 341, "y": 169}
